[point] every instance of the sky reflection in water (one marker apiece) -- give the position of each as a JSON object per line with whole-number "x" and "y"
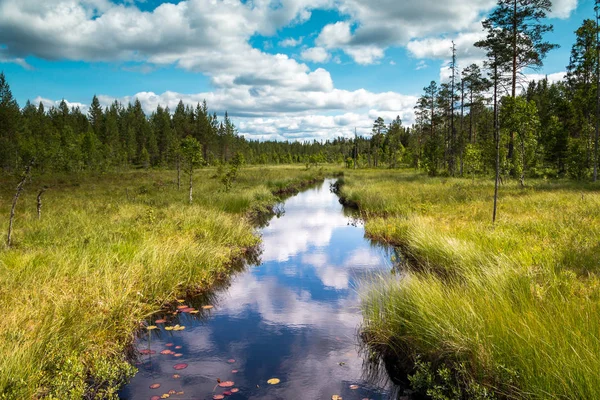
{"x": 294, "y": 317}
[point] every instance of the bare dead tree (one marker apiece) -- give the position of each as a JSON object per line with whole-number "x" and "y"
{"x": 39, "y": 202}
{"x": 20, "y": 187}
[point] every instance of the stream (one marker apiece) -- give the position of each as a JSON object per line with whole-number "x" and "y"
{"x": 294, "y": 317}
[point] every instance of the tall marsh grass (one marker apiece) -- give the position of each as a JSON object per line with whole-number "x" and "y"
{"x": 513, "y": 308}
{"x": 108, "y": 252}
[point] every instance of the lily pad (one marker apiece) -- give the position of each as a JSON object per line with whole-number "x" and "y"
{"x": 176, "y": 376}
{"x": 155, "y": 386}
{"x": 180, "y": 366}
{"x": 181, "y": 307}
{"x": 227, "y": 393}
{"x": 273, "y": 381}
{"x": 177, "y": 354}
{"x": 207, "y": 307}
{"x": 187, "y": 310}
{"x": 218, "y": 397}
{"x": 151, "y": 327}
{"x": 234, "y": 371}
{"x": 234, "y": 390}
{"x": 194, "y": 312}
{"x": 155, "y": 398}
{"x": 160, "y": 321}
{"x": 165, "y": 396}
{"x": 353, "y": 387}
{"x": 226, "y": 384}
{"x": 231, "y": 361}
{"x": 169, "y": 344}
{"x": 336, "y": 397}
{"x": 165, "y": 352}
{"x": 168, "y": 328}
{"x": 172, "y": 391}
{"x": 177, "y": 347}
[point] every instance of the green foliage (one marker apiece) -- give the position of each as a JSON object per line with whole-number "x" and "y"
{"x": 191, "y": 151}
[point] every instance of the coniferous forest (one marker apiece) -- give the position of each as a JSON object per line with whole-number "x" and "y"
{"x": 545, "y": 129}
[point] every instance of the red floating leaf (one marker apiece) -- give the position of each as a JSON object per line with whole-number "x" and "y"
{"x": 177, "y": 354}
{"x": 177, "y": 347}
{"x": 231, "y": 361}
{"x": 226, "y": 384}
{"x": 155, "y": 386}
{"x": 234, "y": 371}
{"x": 218, "y": 397}
{"x": 181, "y": 307}
{"x": 227, "y": 393}
{"x": 187, "y": 310}
{"x": 155, "y": 398}
{"x": 169, "y": 344}
{"x": 160, "y": 321}
{"x": 234, "y": 390}
{"x": 165, "y": 352}
{"x": 180, "y": 366}
{"x": 176, "y": 376}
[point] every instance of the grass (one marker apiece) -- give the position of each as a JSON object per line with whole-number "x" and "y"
{"x": 108, "y": 252}
{"x": 512, "y": 309}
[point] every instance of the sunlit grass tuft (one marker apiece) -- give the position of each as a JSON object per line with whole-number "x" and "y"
{"x": 514, "y": 306}
{"x": 108, "y": 252}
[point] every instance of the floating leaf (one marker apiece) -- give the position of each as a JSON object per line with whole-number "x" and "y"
{"x": 168, "y": 328}
{"x": 155, "y": 386}
{"x": 151, "y": 327}
{"x": 226, "y": 384}
{"x": 180, "y": 300}
{"x": 165, "y": 396}
{"x": 180, "y": 366}
{"x": 177, "y": 347}
{"x": 172, "y": 391}
{"x": 231, "y": 361}
{"x": 180, "y": 393}
{"x": 187, "y": 310}
{"x": 183, "y": 306}
{"x": 234, "y": 371}
{"x": 165, "y": 352}
{"x": 336, "y": 397}
{"x": 207, "y": 307}
{"x": 353, "y": 387}
{"x": 177, "y": 354}
{"x": 273, "y": 381}
{"x": 194, "y": 312}
{"x": 147, "y": 352}
{"x": 176, "y": 376}
{"x": 234, "y": 390}
{"x": 227, "y": 393}
{"x": 169, "y": 344}
{"x": 218, "y": 397}
{"x": 160, "y": 321}
{"x": 155, "y": 398}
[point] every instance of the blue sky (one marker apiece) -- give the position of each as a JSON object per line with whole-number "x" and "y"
{"x": 284, "y": 69}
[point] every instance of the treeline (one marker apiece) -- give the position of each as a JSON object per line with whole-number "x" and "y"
{"x": 63, "y": 139}
{"x": 480, "y": 120}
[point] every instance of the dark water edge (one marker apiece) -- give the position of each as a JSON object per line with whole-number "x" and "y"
{"x": 292, "y": 315}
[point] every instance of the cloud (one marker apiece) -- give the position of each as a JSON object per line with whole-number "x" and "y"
{"x": 421, "y": 65}
{"x": 316, "y": 55}
{"x": 291, "y": 42}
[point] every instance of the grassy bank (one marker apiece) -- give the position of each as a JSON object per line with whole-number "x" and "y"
{"x": 108, "y": 252}
{"x": 512, "y": 310}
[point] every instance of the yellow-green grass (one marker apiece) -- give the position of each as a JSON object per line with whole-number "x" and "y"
{"x": 109, "y": 251}
{"x": 516, "y": 303}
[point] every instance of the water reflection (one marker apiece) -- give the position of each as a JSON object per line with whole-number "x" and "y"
{"x": 293, "y": 317}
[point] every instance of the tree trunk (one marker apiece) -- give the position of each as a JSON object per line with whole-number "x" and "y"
{"x": 597, "y": 97}
{"x": 39, "y": 202}
{"x": 178, "y": 172}
{"x": 497, "y": 137}
{"x": 511, "y": 142}
{"x": 191, "y": 185}
{"x": 14, "y": 203}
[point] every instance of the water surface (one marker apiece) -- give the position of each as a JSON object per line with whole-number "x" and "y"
{"x": 294, "y": 317}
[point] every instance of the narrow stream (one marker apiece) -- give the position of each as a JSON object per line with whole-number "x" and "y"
{"x": 293, "y": 317}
